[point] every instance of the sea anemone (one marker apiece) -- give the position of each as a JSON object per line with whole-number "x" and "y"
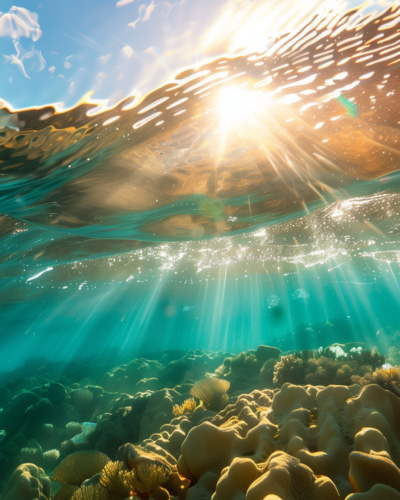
{"x": 212, "y": 391}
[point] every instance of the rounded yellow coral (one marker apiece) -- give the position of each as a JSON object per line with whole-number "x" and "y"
{"x": 79, "y": 466}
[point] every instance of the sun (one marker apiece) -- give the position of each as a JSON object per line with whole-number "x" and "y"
{"x": 238, "y": 106}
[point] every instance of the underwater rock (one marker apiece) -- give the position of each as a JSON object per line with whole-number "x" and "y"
{"x": 124, "y": 378}
{"x": 54, "y": 392}
{"x": 113, "y": 430}
{"x": 174, "y": 372}
{"x": 267, "y": 372}
{"x": 265, "y": 352}
{"x": 159, "y": 411}
{"x": 28, "y": 482}
{"x": 5, "y": 397}
{"x": 212, "y": 392}
{"x": 13, "y": 416}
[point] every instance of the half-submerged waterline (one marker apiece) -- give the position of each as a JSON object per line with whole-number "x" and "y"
{"x": 200, "y": 290}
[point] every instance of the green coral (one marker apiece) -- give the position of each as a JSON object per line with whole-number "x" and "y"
{"x": 324, "y": 368}
{"x": 288, "y": 369}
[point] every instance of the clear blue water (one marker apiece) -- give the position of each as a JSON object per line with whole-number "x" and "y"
{"x": 234, "y": 207}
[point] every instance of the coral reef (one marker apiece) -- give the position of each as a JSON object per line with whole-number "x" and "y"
{"x": 212, "y": 392}
{"x": 324, "y": 368}
{"x": 28, "y": 482}
{"x": 188, "y": 406}
{"x": 79, "y": 466}
{"x": 326, "y": 441}
{"x": 330, "y": 430}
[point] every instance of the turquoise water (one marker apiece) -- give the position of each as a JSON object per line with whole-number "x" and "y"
{"x": 253, "y": 200}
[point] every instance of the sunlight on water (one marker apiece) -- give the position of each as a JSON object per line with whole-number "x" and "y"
{"x": 261, "y": 185}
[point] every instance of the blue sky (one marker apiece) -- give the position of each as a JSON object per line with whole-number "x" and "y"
{"x": 58, "y": 50}
{"x": 97, "y": 45}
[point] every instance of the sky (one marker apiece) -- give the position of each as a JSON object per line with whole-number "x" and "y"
{"x": 56, "y": 51}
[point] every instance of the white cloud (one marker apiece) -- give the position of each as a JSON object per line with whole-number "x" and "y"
{"x": 104, "y": 59}
{"x": 67, "y": 65}
{"x": 121, "y": 3}
{"x": 19, "y": 22}
{"x": 128, "y": 51}
{"x": 71, "y": 90}
{"x": 21, "y": 55}
{"x": 144, "y": 14}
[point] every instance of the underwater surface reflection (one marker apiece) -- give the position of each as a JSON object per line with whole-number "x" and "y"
{"x": 251, "y": 199}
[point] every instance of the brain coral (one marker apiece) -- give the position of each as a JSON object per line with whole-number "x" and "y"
{"x": 336, "y": 441}
{"x": 281, "y": 477}
{"x": 28, "y": 482}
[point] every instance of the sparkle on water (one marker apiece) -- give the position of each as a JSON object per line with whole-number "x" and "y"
{"x": 253, "y": 199}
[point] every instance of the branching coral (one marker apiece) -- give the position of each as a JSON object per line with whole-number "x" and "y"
{"x": 79, "y": 466}
{"x": 72, "y": 429}
{"x": 242, "y": 366}
{"x": 388, "y": 379}
{"x": 188, "y": 406}
{"x": 212, "y": 391}
{"x": 114, "y": 478}
{"x": 91, "y": 492}
{"x": 149, "y": 474}
{"x": 323, "y": 368}
{"x": 288, "y": 369}
{"x": 51, "y": 456}
{"x": 146, "y": 476}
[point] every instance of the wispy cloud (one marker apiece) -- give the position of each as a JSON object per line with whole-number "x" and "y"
{"x": 19, "y": 22}
{"x": 121, "y": 3}
{"x": 21, "y": 55}
{"x": 144, "y": 14}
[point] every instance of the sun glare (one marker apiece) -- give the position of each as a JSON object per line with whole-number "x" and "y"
{"x": 239, "y": 107}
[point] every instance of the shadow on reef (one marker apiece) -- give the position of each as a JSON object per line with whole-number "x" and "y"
{"x": 205, "y": 424}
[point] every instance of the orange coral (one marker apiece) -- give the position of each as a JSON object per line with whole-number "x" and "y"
{"x": 188, "y": 406}
{"x": 212, "y": 391}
